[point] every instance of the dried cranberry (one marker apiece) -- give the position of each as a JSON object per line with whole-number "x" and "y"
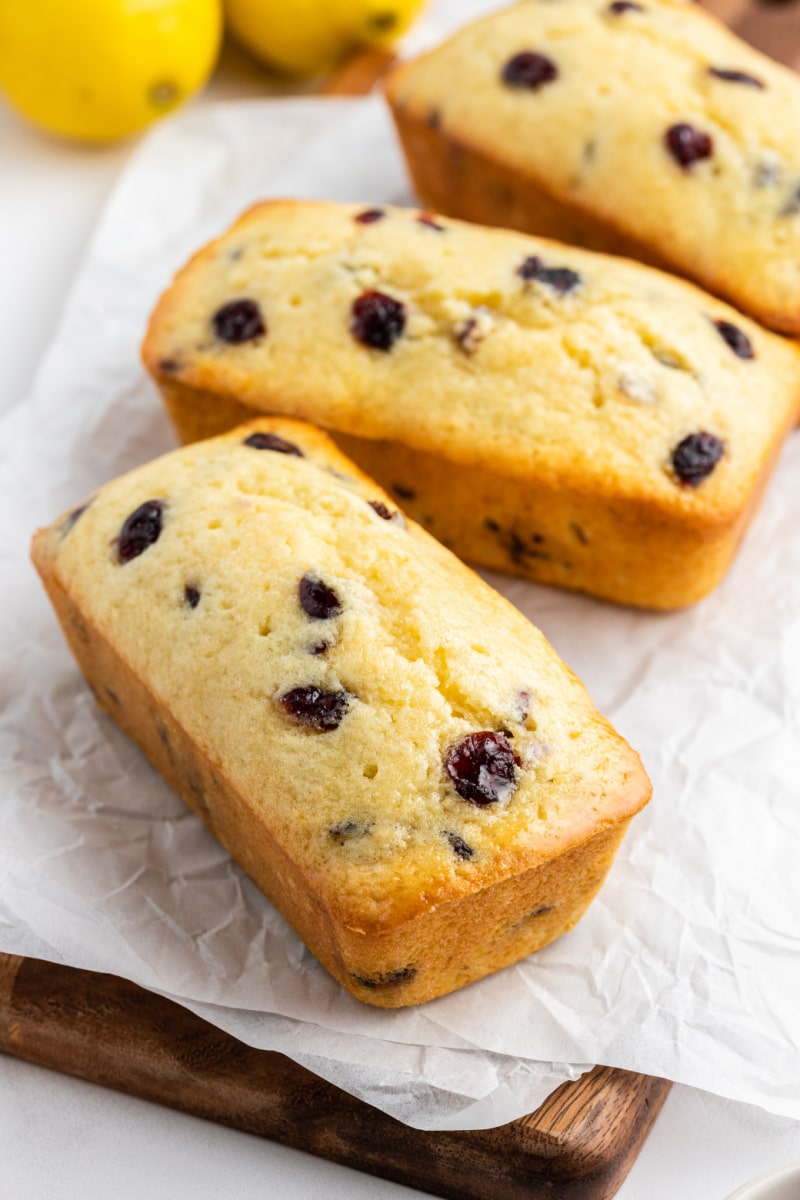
{"x": 191, "y": 595}
{"x": 377, "y": 320}
{"x": 386, "y": 513}
{"x": 688, "y": 145}
{"x": 429, "y": 220}
{"x": 482, "y": 768}
{"x": 140, "y": 530}
{"x": 529, "y": 70}
{"x": 736, "y": 77}
{"x": 695, "y": 457}
{"x": 560, "y": 279}
{"x": 736, "y": 338}
{"x": 459, "y": 847}
{"x": 369, "y": 216}
{"x": 622, "y": 6}
{"x": 271, "y": 441}
{"x": 317, "y": 599}
{"x": 239, "y": 321}
{"x": 315, "y": 708}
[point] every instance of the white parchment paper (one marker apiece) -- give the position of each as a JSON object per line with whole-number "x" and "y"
{"x": 687, "y": 965}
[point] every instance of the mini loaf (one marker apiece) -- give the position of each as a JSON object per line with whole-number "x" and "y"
{"x": 395, "y": 755}
{"x": 641, "y": 127}
{"x": 576, "y": 419}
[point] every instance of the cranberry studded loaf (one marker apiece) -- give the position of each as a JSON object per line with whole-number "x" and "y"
{"x": 641, "y": 127}
{"x": 576, "y": 419}
{"x": 395, "y": 755}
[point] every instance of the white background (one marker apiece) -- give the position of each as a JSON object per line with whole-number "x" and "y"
{"x": 60, "y": 1138}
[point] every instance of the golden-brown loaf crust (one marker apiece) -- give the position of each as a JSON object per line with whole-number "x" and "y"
{"x": 654, "y": 132}
{"x": 529, "y": 408}
{"x": 202, "y": 590}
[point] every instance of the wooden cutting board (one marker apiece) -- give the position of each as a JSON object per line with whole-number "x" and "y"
{"x": 579, "y": 1145}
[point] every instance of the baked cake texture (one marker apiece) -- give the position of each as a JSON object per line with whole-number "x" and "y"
{"x": 641, "y": 127}
{"x": 394, "y": 754}
{"x": 572, "y": 418}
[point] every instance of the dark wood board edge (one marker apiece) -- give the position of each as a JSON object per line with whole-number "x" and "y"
{"x": 579, "y": 1145}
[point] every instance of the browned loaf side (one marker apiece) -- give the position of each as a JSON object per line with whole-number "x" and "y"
{"x": 572, "y": 418}
{"x": 397, "y": 758}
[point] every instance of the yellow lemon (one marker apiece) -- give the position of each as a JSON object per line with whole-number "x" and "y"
{"x": 97, "y": 70}
{"x": 310, "y": 37}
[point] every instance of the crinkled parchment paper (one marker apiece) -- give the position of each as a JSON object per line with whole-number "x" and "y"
{"x": 688, "y": 964}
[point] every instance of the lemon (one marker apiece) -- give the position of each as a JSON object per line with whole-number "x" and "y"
{"x": 310, "y": 37}
{"x": 97, "y": 70}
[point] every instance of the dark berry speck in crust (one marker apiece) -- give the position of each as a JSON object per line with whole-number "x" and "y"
{"x": 460, "y": 848}
{"x": 271, "y": 441}
{"x": 736, "y": 77}
{"x": 622, "y": 6}
{"x": 317, "y": 599}
{"x": 688, "y": 145}
{"x": 377, "y": 320}
{"x": 239, "y": 321}
{"x": 315, "y": 709}
{"x": 369, "y": 216}
{"x": 429, "y": 220}
{"x": 736, "y": 338}
{"x": 482, "y": 767}
{"x": 388, "y": 979}
{"x": 561, "y": 279}
{"x": 386, "y": 513}
{"x": 191, "y": 595}
{"x": 694, "y": 458}
{"x": 349, "y": 831}
{"x": 72, "y": 518}
{"x": 403, "y": 491}
{"x": 529, "y": 70}
{"x": 791, "y": 206}
{"x": 140, "y": 530}
{"x": 468, "y": 335}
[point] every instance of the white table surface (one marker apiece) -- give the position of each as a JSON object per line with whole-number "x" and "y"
{"x": 67, "y": 1140}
